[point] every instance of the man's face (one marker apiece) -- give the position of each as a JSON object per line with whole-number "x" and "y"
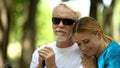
{"x": 63, "y": 21}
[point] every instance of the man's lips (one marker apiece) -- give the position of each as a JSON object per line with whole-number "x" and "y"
{"x": 60, "y": 31}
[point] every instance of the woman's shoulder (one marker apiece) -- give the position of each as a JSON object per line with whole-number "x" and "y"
{"x": 114, "y": 46}
{"x": 113, "y": 49}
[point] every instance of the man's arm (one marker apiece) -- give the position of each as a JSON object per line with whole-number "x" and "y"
{"x": 35, "y": 58}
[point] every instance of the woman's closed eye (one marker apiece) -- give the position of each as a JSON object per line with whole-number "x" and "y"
{"x": 86, "y": 41}
{"x": 79, "y": 44}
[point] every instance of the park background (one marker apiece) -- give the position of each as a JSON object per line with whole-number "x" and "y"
{"x": 26, "y": 24}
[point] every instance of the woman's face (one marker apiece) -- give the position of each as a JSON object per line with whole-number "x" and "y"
{"x": 88, "y": 43}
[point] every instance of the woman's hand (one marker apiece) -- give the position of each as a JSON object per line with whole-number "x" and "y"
{"x": 89, "y": 62}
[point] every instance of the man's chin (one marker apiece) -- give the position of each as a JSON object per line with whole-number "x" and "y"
{"x": 60, "y": 39}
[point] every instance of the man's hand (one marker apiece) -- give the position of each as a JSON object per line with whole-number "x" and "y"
{"x": 47, "y": 54}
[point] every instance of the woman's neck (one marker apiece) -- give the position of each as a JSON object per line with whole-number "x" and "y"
{"x": 101, "y": 48}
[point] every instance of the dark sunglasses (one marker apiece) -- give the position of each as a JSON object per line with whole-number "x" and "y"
{"x": 65, "y": 21}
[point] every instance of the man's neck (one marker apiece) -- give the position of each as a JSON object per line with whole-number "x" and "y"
{"x": 66, "y": 43}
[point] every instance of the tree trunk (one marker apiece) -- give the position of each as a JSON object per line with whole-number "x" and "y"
{"x": 29, "y": 32}
{"x": 107, "y": 19}
{"x": 93, "y": 8}
{"x": 4, "y": 30}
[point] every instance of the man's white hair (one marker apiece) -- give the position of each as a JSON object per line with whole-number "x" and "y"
{"x": 72, "y": 7}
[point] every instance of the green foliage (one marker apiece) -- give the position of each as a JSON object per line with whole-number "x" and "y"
{"x": 44, "y": 24}
{"x": 16, "y": 20}
{"x": 116, "y": 21}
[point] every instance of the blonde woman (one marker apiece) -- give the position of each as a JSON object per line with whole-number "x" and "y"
{"x": 92, "y": 41}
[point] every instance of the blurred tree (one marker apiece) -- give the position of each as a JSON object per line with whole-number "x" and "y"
{"x": 107, "y": 15}
{"x": 107, "y": 18}
{"x": 4, "y": 29}
{"x": 116, "y": 21}
{"x": 93, "y": 8}
{"x": 29, "y": 32}
{"x": 64, "y": 0}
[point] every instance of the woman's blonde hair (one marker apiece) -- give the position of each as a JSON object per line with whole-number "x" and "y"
{"x": 90, "y": 25}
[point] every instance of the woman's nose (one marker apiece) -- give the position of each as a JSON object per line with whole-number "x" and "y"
{"x": 82, "y": 48}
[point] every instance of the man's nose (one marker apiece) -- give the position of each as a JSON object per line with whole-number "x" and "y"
{"x": 61, "y": 24}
